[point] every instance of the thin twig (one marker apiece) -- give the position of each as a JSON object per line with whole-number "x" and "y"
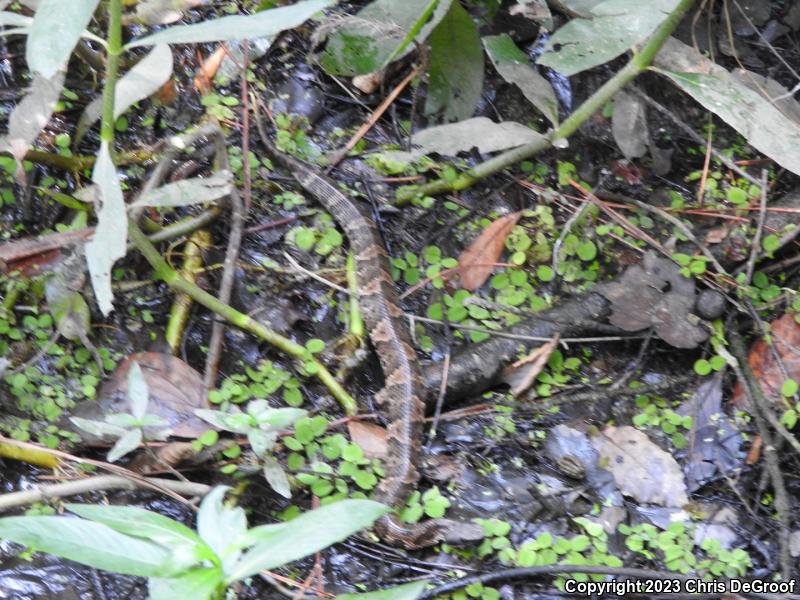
{"x": 44, "y": 493}
{"x": 301, "y": 269}
{"x": 762, "y": 216}
{"x": 759, "y": 408}
{"x": 564, "y": 232}
{"x": 695, "y": 136}
{"x": 526, "y": 338}
{"x": 680, "y": 225}
{"x": 336, "y": 157}
{"x": 231, "y": 252}
{"x": 116, "y": 469}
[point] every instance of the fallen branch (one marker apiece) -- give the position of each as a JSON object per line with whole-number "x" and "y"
{"x": 477, "y": 367}
{"x": 44, "y": 493}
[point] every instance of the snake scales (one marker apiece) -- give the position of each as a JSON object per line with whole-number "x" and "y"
{"x": 402, "y": 398}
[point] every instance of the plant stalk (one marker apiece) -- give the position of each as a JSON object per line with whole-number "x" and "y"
{"x": 114, "y": 50}
{"x": 638, "y": 63}
{"x": 173, "y": 279}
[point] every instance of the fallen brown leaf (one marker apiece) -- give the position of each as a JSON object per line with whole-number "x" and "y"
{"x": 370, "y": 437}
{"x": 785, "y": 333}
{"x": 175, "y": 391}
{"x": 370, "y": 82}
{"x": 479, "y": 259}
{"x": 521, "y": 374}
{"x": 208, "y": 69}
{"x": 754, "y": 455}
{"x": 717, "y": 234}
{"x": 641, "y": 469}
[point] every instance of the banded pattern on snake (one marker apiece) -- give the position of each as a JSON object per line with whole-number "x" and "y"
{"x": 401, "y": 400}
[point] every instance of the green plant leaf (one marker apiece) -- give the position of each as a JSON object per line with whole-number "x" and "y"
{"x": 57, "y": 27}
{"x": 276, "y": 545}
{"x": 756, "y": 118}
{"x": 88, "y": 543}
{"x": 409, "y": 591}
{"x": 138, "y": 394}
{"x": 10, "y": 19}
{"x": 198, "y": 584}
{"x": 279, "y": 418}
{"x": 186, "y": 546}
{"x": 237, "y": 27}
{"x": 98, "y": 428}
{"x": 276, "y": 476}
{"x": 615, "y": 26}
{"x": 261, "y": 441}
{"x": 512, "y": 64}
{"x": 129, "y": 442}
{"x": 377, "y": 34}
{"x": 217, "y": 524}
{"x": 111, "y": 233}
{"x": 455, "y": 68}
{"x": 31, "y": 115}
{"x": 143, "y": 80}
{"x": 236, "y": 422}
{"x": 187, "y": 192}
{"x": 478, "y": 132}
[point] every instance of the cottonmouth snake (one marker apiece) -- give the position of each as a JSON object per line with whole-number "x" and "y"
{"x": 402, "y": 398}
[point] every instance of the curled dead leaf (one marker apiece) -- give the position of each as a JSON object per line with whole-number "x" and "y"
{"x": 785, "y": 332}
{"x": 370, "y": 437}
{"x": 641, "y": 469}
{"x": 521, "y": 374}
{"x": 175, "y": 391}
{"x": 208, "y": 69}
{"x": 478, "y": 261}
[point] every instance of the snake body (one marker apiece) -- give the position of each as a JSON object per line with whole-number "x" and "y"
{"x": 401, "y": 400}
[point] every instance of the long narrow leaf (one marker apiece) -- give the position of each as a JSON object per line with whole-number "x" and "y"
{"x": 142, "y": 81}
{"x": 88, "y": 543}
{"x": 32, "y": 114}
{"x": 10, "y": 19}
{"x": 217, "y": 524}
{"x": 199, "y": 584}
{"x": 304, "y": 535}
{"x": 513, "y": 66}
{"x": 187, "y": 192}
{"x": 126, "y": 444}
{"x": 146, "y": 524}
{"x": 758, "y": 119}
{"x": 56, "y": 29}
{"x": 138, "y": 394}
{"x": 615, "y": 26}
{"x": 409, "y": 591}
{"x": 111, "y": 234}
{"x": 237, "y": 27}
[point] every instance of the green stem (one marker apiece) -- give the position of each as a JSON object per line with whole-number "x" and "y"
{"x": 356, "y": 322}
{"x": 173, "y": 279}
{"x": 114, "y": 49}
{"x": 638, "y": 63}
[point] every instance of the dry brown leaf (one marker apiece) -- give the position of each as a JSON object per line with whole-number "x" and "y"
{"x": 786, "y": 341}
{"x": 167, "y": 93}
{"x": 171, "y": 454}
{"x": 641, "y": 469}
{"x": 205, "y": 74}
{"x": 369, "y": 82}
{"x": 521, "y": 374}
{"x": 477, "y": 262}
{"x": 755, "y": 451}
{"x": 175, "y": 391}
{"x": 370, "y": 437}
{"x": 717, "y": 234}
